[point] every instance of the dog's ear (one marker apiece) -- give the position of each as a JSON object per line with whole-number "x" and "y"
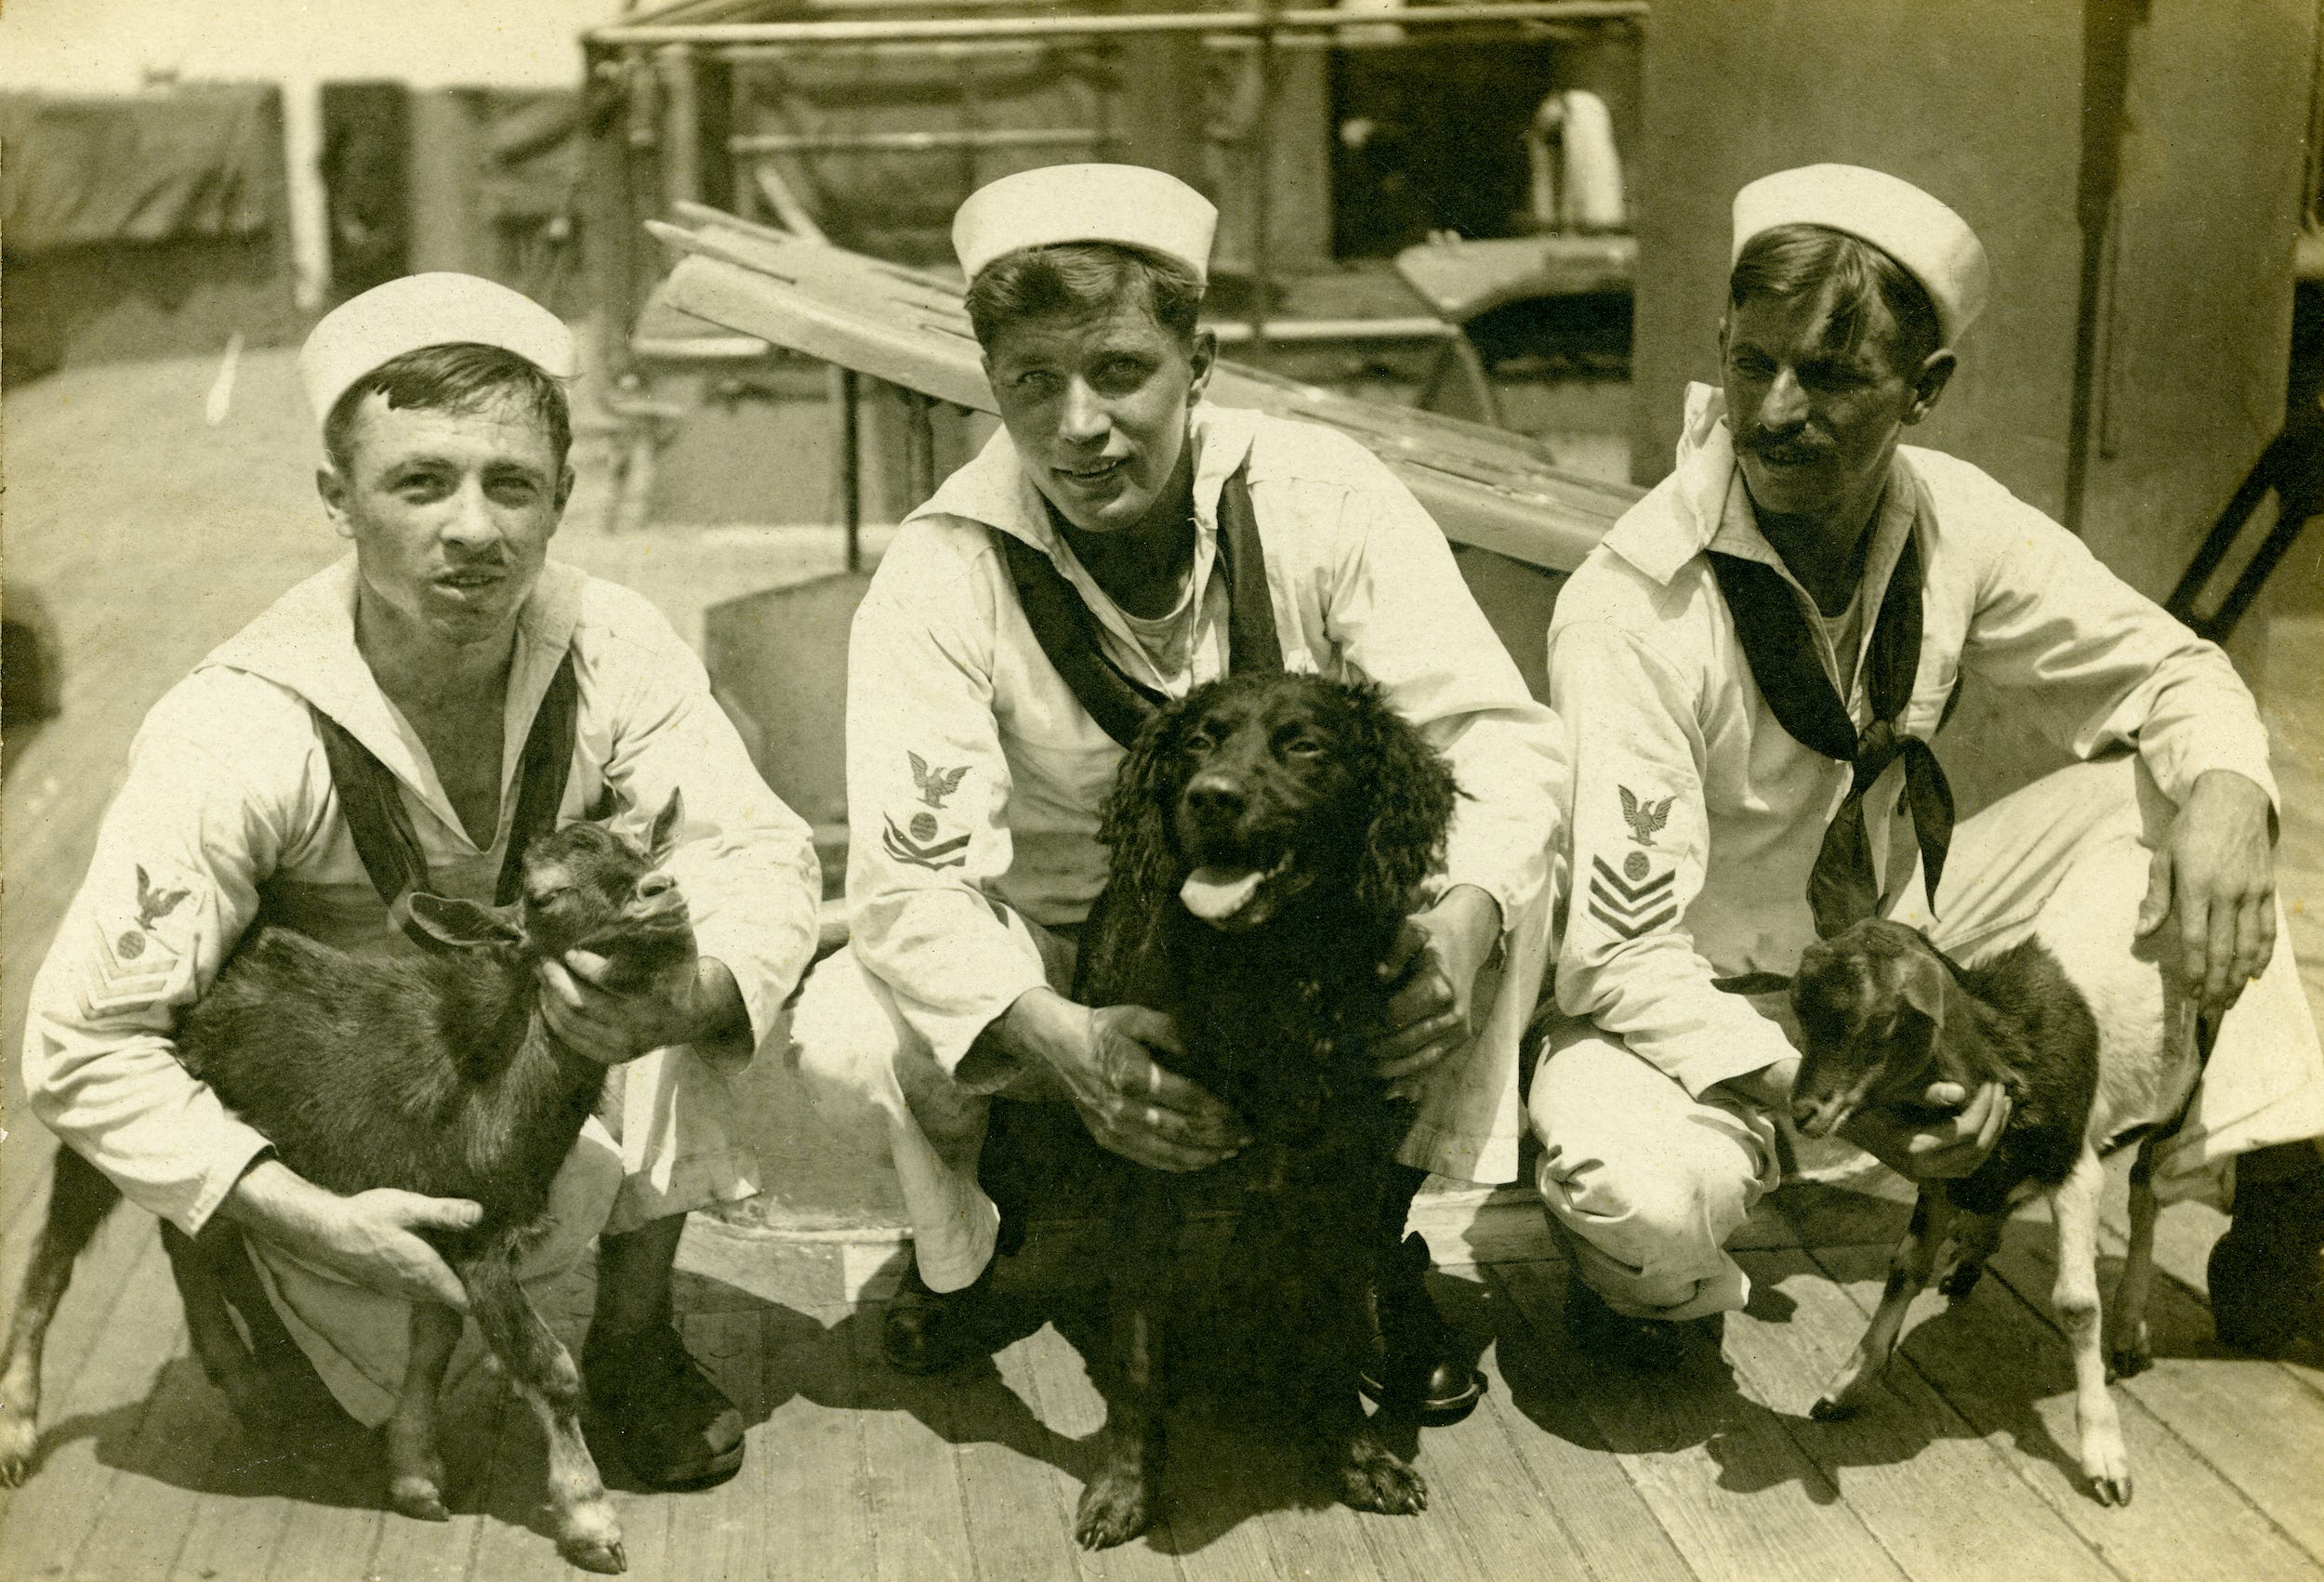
{"x": 1136, "y": 823}
{"x": 1411, "y": 793}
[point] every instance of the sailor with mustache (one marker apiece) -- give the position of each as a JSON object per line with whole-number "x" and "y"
{"x": 1753, "y": 667}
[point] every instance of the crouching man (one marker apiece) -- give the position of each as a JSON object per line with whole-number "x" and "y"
{"x": 1752, "y": 666}
{"x": 412, "y": 715}
{"x": 1124, "y": 531}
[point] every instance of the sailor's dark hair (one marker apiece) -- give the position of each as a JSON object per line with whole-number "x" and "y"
{"x": 463, "y": 377}
{"x": 1082, "y": 277}
{"x": 1848, "y": 277}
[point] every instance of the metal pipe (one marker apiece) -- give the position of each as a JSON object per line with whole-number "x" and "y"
{"x": 919, "y": 445}
{"x": 937, "y": 49}
{"x": 1260, "y": 156}
{"x": 851, "y": 466}
{"x": 932, "y": 28}
{"x": 912, "y": 142}
{"x": 681, "y": 124}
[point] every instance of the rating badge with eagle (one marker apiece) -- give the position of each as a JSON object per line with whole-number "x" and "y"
{"x": 916, "y": 842}
{"x": 1645, "y": 818}
{"x": 144, "y": 952}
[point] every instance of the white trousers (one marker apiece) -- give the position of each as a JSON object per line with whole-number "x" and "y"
{"x": 1649, "y": 1183}
{"x": 674, "y": 1153}
{"x": 859, "y": 1055}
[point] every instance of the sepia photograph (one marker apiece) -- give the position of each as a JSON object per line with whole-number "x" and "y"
{"x": 1161, "y": 790}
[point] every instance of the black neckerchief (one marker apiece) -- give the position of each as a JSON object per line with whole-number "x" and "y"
{"x": 1840, "y": 889}
{"x": 1068, "y": 633}
{"x": 373, "y": 805}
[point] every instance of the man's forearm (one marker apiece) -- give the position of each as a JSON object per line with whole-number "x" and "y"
{"x": 274, "y": 1201}
{"x": 1040, "y": 1028}
{"x": 1769, "y": 1087}
{"x": 1475, "y": 918}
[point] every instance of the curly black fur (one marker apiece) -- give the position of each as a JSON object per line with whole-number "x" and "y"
{"x": 1346, "y": 803}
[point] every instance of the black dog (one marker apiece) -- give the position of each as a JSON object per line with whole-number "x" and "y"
{"x": 1269, "y": 835}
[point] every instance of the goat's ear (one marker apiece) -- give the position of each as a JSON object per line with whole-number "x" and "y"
{"x": 1922, "y": 981}
{"x": 462, "y": 925}
{"x": 666, "y": 823}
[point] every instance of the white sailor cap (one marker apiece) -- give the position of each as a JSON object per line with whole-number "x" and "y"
{"x": 1935, "y": 245}
{"x": 426, "y": 309}
{"x": 1129, "y": 205}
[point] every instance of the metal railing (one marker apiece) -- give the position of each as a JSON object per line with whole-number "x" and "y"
{"x": 663, "y": 104}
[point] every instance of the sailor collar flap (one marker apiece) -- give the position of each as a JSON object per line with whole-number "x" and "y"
{"x": 305, "y": 644}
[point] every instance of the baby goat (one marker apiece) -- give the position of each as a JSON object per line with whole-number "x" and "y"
{"x": 2097, "y": 1044}
{"x": 435, "y": 1075}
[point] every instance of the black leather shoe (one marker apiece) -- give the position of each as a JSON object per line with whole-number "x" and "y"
{"x": 674, "y": 1427}
{"x": 1650, "y": 1345}
{"x": 928, "y": 1331}
{"x": 2267, "y": 1271}
{"x": 1414, "y": 1364}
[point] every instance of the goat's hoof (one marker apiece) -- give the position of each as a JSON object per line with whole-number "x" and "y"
{"x": 1961, "y": 1280}
{"x": 419, "y": 1500}
{"x": 603, "y": 1555}
{"x": 19, "y": 1436}
{"x": 591, "y": 1538}
{"x": 1375, "y": 1478}
{"x": 2128, "y": 1361}
{"x": 1831, "y": 1409}
{"x": 1116, "y": 1507}
{"x": 2107, "y": 1465}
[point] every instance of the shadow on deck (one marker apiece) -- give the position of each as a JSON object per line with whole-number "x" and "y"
{"x": 1962, "y": 1468}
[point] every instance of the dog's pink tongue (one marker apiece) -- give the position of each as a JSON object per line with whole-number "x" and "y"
{"x": 1215, "y": 894}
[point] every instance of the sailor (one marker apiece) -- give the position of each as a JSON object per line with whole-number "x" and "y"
{"x": 1752, "y": 666}
{"x": 448, "y": 679}
{"x": 976, "y": 771}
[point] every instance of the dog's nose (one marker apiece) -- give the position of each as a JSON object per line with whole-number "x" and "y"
{"x": 1214, "y": 797}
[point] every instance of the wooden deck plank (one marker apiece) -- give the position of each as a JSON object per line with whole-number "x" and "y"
{"x": 468, "y": 1426}
{"x": 913, "y": 1484}
{"x": 2251, "y": 1420}
{"x": 1907, "y": 1464}
{"x": 147, "y": 1513}
{"x": 1242, "y": 1507}
{"x": 1541, "y": 1417}
{"x": 817, "y": 1486}
{"x": 724, "y": 1531}
{"x": 1480, "y": 1489}
{"x": 514, "y": 1541}
{"x": 1015, "y": 1514}
{"x": 2004, "y": 1369}
{"x": 231, "y": 1537}
{"x": 110, "y": 1334}
{"x": 1734, "y": 1494}
{"x": 335, "y": 1517}
{"x": 1048, "y": 1372}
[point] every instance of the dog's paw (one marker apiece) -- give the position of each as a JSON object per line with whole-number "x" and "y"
{"x": 1375, "y": 1478}
{"x": 1116, "y": 1507}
